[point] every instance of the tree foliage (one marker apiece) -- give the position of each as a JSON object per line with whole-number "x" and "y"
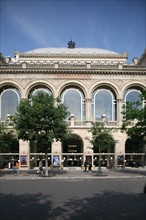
{"x": 135, "y": 112}
{"x": 8, "y": 140}
{"x": 101, "y": 136}
{"x": 42, "y": 119}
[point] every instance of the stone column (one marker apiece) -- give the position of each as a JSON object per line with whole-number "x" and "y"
{"x": 119, "y": 110}
{"x": 120, "y": 146}
{"x": 88, "y": 107}
{"x": 24, "y": 155}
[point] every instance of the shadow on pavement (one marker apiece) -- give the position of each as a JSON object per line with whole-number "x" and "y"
{"x": 107, "y": 205}
{"x": 53, "y": 172}
{"x": 131, "y": 171}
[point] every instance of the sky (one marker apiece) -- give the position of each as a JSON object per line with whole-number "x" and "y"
{"x": 116, "y": 25}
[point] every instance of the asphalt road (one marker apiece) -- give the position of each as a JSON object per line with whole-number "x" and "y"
{"x": 73, "y": 199}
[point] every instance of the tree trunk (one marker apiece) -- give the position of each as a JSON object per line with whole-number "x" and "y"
{"x": 144, "y": 150}
{"x": 46, "y": 162}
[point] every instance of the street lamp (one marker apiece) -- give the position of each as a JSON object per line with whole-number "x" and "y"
{"x": 99, "y": 163}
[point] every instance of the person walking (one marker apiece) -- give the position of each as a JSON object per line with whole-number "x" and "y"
{"x": 85, "y": 166}
{"x": 90, "y": 166}
{"x": 40, "y": 171}
{"x": 14, "y": 169}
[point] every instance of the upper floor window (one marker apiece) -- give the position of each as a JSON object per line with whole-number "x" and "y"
{"x": 36, "y": 91}
{"x": 103, "y": 103}
{"x": 74, "y": 100}
{"x": 133, "y": 95}
{"x": 9, "y": 100}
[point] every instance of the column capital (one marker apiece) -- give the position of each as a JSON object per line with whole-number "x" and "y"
{"x": 88, "y": 99}
{"x": 120, "y": 100}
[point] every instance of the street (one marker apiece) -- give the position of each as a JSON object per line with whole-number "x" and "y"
{"x": 70, "y": 199}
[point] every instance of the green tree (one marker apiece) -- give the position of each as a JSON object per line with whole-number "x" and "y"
{"x": 8, "y": 140}
{"x": 134, "y": 120}
{"x": 41, "y": 118}
{"x": 136, "y": 112}
{"x": 101, "y": 139}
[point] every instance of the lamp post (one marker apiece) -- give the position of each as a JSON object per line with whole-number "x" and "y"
{"x": 99, "y": 163}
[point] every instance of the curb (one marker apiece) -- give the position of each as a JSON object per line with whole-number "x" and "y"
{"x": 69, "y": 177}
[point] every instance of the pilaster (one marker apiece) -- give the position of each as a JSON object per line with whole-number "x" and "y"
{"x": 119, "y": 111}
{"x": 24, "y": 155}
{"x": 88, "y": 103}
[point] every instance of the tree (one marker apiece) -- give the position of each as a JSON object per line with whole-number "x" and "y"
{"x": 8, "y": 140}
{"x": 42, "y": 119}
{"x": 101, "y": 136}
{"x": 101, "y": 139}
{"x": 135, "y": 112}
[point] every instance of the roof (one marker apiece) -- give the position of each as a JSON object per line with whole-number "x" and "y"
{"x": 142, "y": 60}
{"x": 94, "y": 51}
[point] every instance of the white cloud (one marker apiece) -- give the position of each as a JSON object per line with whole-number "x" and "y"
{"x": 36, "y": 30}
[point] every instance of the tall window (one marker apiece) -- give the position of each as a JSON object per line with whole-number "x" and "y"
{"x": 74, "y": 100}
{"x": 9, "y": 100}
{"x": 133, "y": 95}
{"x": 103, "y": 102}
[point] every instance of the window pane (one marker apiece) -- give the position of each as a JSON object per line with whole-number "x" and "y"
{"x": 35, "y": 92}
{"x": 72, "y": 99}
{"x": 133, "y": 96}
{"x": 103, "y": 105}
{"x": 9, "y": 102}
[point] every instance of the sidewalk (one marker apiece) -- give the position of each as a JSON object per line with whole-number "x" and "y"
{"x": 76, "y": 174}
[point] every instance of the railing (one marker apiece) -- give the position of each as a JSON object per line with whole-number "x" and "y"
{"x": 104, "y": 67}
{"x": 73, "y": 66}
{"x": 112, "y": 123}
{"x": 88, "y": 123}
{"x": 132, "y": 67}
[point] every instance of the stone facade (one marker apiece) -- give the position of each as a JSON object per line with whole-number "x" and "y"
{"x": 84, "y": 70}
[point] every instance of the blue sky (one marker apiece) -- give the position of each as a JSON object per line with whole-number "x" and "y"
{"x": 115, "y": 25}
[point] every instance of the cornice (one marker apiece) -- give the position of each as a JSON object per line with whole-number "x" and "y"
{"x": 72, "y": 71}
{"x": 49, "y": 55}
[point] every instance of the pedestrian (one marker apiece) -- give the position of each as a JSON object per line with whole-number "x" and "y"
{"x": 14, "y": 169}
{"x": 90, "y": 166}
{"x": 85, "y": 166}
{"x": 40, "y": 171}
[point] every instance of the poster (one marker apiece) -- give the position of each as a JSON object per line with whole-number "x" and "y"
{"x": 56, "y": 161}
{"x": 23, "y": 160}
{"x": 120, "y": 160}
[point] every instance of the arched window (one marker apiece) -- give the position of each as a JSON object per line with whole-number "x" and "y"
{"x": 133, "y": 95}
{"x": 103, "y": 102}
{"x": 35, "y": 92}
{"x": 9, "y": 100}
{"x": 74, "y": 100}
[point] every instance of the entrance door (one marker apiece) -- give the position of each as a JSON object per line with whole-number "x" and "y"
{"x": 72, "y": 151}
{"x": 72, "y": 160}
{"x": 134, "y": 153}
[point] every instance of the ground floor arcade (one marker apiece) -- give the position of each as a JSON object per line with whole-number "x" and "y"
{"x": 73, "y": 153}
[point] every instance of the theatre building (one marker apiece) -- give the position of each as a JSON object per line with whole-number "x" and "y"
{"x": 93, "y": 83}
